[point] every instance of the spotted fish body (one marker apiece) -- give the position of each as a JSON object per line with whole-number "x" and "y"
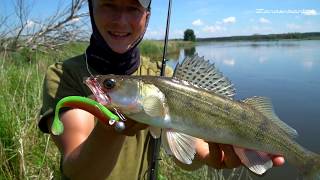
{"x": 198, "y": 102}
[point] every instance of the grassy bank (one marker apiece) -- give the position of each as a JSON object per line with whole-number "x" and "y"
{"x": 25, "y": 152}
{"x": 154, "y": 49}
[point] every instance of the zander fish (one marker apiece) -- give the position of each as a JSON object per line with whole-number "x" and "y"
{"x": 197, "y": 102}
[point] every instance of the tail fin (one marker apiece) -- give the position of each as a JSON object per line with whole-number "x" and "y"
{"x": 311, "y": 170}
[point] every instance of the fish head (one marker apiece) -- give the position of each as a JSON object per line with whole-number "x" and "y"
{"x": 135, "y": 96}
{"x": 123, "y": 92}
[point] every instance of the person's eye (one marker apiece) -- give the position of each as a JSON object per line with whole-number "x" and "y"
{"x": 107, "y": 5}
{"x": 134, "y": 9}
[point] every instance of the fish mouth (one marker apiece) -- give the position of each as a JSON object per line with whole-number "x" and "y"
{"x": 98, "y": 93}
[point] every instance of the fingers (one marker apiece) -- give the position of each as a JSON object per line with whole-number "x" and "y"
{"x": 218, "y": 156}
{"x": 223, "y": 156}
{"x": 230, "y": 158}
{"x": 133, "y": 127}
{"x": 215, "y": 156}
{"x": 278, "y": 160}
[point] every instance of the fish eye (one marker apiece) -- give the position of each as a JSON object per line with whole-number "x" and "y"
{"x": 109, "y": 83}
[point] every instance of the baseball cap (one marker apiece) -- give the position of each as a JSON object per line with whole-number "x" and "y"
{"x": 145, "y": 3}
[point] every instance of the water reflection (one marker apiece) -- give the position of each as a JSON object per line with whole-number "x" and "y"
{"x": 229, "y": 62}
{"x": 189, "y": 51}
{"x": 307, "y": 64}
{"x": 286, "y": 71}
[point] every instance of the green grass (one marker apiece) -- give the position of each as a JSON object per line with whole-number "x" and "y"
{"x": 154, "y": 49}
{"x": 169, "y": 170}
{"x": 23, "y": 148}
{"x": 25, "y": 152}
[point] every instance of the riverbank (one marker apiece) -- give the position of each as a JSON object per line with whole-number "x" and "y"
{"x": 154, "y": 48}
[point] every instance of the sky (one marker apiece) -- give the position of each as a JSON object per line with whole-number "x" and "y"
{"x": 213, "y": 18}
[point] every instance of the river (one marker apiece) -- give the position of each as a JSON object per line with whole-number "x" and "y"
{"x": 288, "y": 72}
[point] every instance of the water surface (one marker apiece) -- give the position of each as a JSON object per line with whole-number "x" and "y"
{"x": 288, "y": 72}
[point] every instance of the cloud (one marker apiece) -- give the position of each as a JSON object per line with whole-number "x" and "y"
{"x": 159, "y": 34}
{"x": 154, "y": 34}
{"x": 30, "y": 24}
{"x": 262, "y": 30}
{"x": 74, "y": 20}
{"x": 264, "y": 21}
{"x": 178, "y": 33}
{"x": 212, "y": 29}
{"x": 197, "y": 22}
{"x": 310, "y": 12}
{"x": 293, "y": 26}
{"x": 218, "y": 26}
{"x": 229, "y": 20}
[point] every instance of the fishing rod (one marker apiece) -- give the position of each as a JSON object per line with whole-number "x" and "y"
{"x": 164, "y": 61}
{"x": 157, "y": 142}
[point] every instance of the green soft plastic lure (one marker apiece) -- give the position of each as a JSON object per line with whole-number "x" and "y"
{"x": 92, "y": 106}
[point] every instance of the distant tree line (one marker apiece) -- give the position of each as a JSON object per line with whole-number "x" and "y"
{"x": 258, "y": 37}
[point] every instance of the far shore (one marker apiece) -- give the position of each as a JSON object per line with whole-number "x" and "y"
{"x": 260, "y": 37}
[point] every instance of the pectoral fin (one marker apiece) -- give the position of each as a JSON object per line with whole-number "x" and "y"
{"x": 153, "y": 106}
{"x": 181, "y": 145}
{"x": 257, "y": 162}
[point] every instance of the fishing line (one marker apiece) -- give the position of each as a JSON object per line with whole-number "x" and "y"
{"x": 87, "y": 65}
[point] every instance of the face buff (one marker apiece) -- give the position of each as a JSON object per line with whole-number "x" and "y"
{"x": 104, "y": 60}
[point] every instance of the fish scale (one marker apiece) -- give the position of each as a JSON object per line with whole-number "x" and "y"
{"x": 208, "y": 111}
{"x": 208, "y": 115}
{"x": 268, "y": 137}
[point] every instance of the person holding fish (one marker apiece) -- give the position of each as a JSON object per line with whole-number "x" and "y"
{"x": 91, "y": 149}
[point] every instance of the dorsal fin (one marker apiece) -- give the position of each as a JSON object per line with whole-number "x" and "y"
{"x": 264, "y": 105}
{"x": 201, "y": 73}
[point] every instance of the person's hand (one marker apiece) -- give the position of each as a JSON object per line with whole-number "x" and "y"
{"x": 221, "y": 156}
{"x": 132, "y": 127}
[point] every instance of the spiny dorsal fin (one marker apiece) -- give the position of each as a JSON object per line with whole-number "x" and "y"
{"x": 201, "y": 73}
{"x": 264, "y": 105}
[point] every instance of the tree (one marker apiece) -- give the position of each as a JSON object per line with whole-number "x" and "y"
{"x": 189, "y": 35}
{"x": 67, "y": 23}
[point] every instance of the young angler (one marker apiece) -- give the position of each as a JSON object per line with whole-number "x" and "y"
{"x": 90, "y": 149}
